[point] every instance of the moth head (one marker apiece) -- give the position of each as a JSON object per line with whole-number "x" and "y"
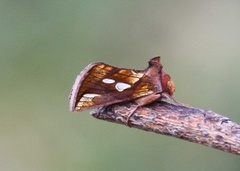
{"x": 167, "y": 83}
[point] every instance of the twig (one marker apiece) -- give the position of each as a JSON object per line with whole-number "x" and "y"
{"x": 192, "y": 124}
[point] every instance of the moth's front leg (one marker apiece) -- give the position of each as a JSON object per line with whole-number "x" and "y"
{"x": 141, "y": 102}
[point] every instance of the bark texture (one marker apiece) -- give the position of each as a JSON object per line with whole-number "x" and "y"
{"x": 184, "y": 122}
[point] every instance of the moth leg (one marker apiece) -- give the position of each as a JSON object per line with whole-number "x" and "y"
{"x": 169, "y": 98}
{"x": 128, "y": 123}
{"x": 172, "y": 100}
{"x": 141, "y": 102}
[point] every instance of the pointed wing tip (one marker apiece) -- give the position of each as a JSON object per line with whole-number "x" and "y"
{"x": 77, "y": 84}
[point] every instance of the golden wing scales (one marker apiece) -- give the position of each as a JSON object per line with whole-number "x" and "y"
{"x": 102, "y": 94}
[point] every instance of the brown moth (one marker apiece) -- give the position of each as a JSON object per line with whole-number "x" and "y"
{"x": 100, "y": 85}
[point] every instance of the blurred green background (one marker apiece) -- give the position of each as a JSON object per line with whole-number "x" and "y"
{"x": 45, "y": 44}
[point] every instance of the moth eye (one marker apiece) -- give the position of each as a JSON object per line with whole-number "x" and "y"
{"x": 122, "y": 86}
{"x": 108, "y": 81}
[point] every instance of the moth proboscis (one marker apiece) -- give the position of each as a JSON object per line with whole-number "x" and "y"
{"x": 100, "y": 85}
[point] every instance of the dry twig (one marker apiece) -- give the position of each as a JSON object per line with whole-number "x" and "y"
{"x": 192, "y": 124}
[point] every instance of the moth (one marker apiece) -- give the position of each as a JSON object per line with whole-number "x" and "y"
{"x": 100, "y": 85}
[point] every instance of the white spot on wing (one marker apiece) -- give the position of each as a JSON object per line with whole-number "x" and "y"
{"x": 122, "y": 86}
{"x": 89, "y": 95}
{"x": 108, "y": 81}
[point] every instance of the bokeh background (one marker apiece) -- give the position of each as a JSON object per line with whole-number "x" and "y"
{"x": 45, "y": 44}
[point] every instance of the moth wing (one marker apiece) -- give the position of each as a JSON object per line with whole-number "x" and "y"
{"x": 100, "y": 85}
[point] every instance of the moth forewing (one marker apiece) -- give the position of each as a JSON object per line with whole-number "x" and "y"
{"x": 100, "y": 84}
